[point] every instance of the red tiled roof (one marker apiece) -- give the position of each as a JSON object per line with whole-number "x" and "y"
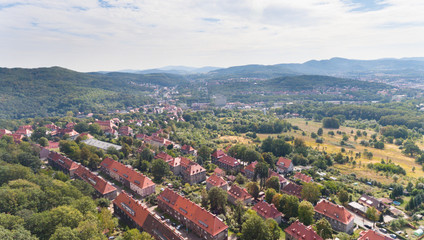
{"x": 63, "y": 161}
{"x": 190, "y": 167}
{"x": 29, "y": 127}
{"x": 23, "y": 131}
{"x": 164, "y": 156}
{"x": 127, "y": 173}
{"x": 70, "y": 132}
{"x": 197, "y": 215}
{"x": 219, "y": 172}
{"x": 293, "y": 189}
{"x": 372, "y": 235}
{"x": 333, "y": 211}
{"x": 266, "y": 210}
{"x": 239, "y": 193}
{"x": 53, "y": 145}
{"x": 216, "y": 181}
{"x": 125, "y": 130}
{"x": 299, "y": 231}
{"x": 251, "y": 167}
{"x": 302, "y": 177}
{"x": 89, "y": 136}
{"x": 187, "y": 148}
{"x": 137, "y": 212}
{"x": 283, "y": 162}
{"x": 274, "y": 174}
{"x": 101, "y": 185}
{"x": 70, "y": 125}
{"x": 218, "y": 154}
{"x": 230, "y": 161}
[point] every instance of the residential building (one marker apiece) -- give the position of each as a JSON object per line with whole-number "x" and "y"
{"x": 102, "y": 187}
{"x": 62, "y": 163}
{"x": 293, "y": 189}
{"x": 284, "y": 165}
{"x": 219, "y": 172}
{"x": 25, "y": 130}
{"x": 283, "y": 181}
{"x": 191, "y": 171}
{"x": 303, "y": 177}
{"x": 108, "y": 127}
{"x": 217, "y": 155}
{"x": 70, "y": 125}
{"x": 67, "y": 131}
{"x": 216, "y": 181}
{"x": 249, "y": 170}
{"x": 372, "y": 235}
{"x": 186, "y": 149}
{"x": 125, "y": 131}
{"x": 138, "y": 216}
{"x": 164, "y": 156}
{"x": 197, "y": 219}
{"x": 298, "y": 231}
{"x": 130, "y": 178}
{"x": 340, "y": 219}
{"x": 237, "y": 193}
{"x": 4, "y": 132}
{"x": 266, "y": 210}
{"x": 370, "y": 202}
{"x": 228, "y": 163}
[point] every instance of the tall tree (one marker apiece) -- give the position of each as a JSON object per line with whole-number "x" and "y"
{"x": 159, "y": 169}
{"x": 323, "y": 228}
{"x": 253, "y": 189}
{"x": 218, "y": 199}
{"x": 273, "y": 182}
{"x": 254, "y": 229}
{"x": 306, "y": 213}
{"x": 311, "y": 192}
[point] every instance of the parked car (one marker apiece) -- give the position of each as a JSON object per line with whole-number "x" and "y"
{"x": 367, "y": 226}
{"x": 393, "y": 236}
{"x": 162, "y": 217}
{"x": 383, "y": 230}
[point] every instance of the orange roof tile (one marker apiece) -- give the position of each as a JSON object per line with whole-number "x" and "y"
{"x": 127, "y": 173}
{"x": 333, "y": 211}
{"x": 216, "y": 181}
{"x": 267, "y": 210}
{"x": 299, "y": 231}
{"x": 197, "y": 215}
{"x": 63, "y": 161}
{"x": 239, "y": 193}
{"x": 302, "y": 177}
{"x": 372, "y": 235}
{"x": 101, "y": 185}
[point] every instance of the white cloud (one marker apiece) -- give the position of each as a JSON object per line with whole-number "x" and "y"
{"x": 90, "y": 35}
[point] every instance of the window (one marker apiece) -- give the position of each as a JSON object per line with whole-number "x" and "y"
{"x": 137, "y": 182}
{"x": 128, "y": 209}
{"x": 125, "y": 175}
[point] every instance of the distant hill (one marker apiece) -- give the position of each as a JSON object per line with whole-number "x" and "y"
{"x": 54, "y": 91}
{"x": 182, "y": 70}
{"x": 306, "y": 87}
{"x": 339, "y": 67}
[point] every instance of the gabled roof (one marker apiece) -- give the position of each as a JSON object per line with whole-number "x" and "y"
{"x": 372, "y": 202}
{"x": 137, "y": 212}
{"x": 164, "y": 156}
{"x": 125, "y": 172}
{"x": 266, "y": 210}
{"x": 239, "y": 193}
{"x": 216, "y": 181}
{"x": 251, "y": 167}
{"x": 274, "y": 174}
{"x": 302, "y": 177}
{"x": 299, "y": 231}
{"x": 197, "y": 215}
{"x": 62, "y": 161}
{"x": 219, "y": 172}
{"x": 187, "y": 148}
{"x": 190, "y": 167}
{"x": 372, "y": 235}
{"x": 218, "y": 154}
{"x": 101, "y": 185}
{"x": 284, "y": 162}
{"x": 29, "y": 127}
{"x": 230, "y": 161}
{"x": 293, "y": 189}
{"x": 333, "y": 211}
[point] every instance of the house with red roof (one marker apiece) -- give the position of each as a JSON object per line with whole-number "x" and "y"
{"x": 164, "y": 156}
{"x": 216, "y": 181}
{"x": 157, "y": 141}
{"x": 187, "y": 149}
{"x": 249, "y": 170}
{"x": 237, "y": 193}
{"x": 293, "y": 189}
{"x": 141, "y": 136}
{"x": 372, "y": 235}
{"x": 125, "y": 131}
{"x": 298, "y": 231}
{"x": 52, "y": 145}
{"x": 51, "y": 127}
{"x": 219, "y": 172}
{"x": 138, "y": 216}
{"x": 136, "y": 181}
{"x": 228, "y": 163}
{"x": 203, "y": 223}
{"x": 64, "y": 131}
{"x": 217, "y": 155}
{"x": 303, "y": 177}
{"x": 284, "y": 165}
{"x": 339, "y": 217}
{"x": 70, "y": 125}
{"x": 4, "y": 132}
{"x": 190, "y": 171}
{"x": 17, "y": 138}
{"x": 102, "y": 187}
{"x": 283, "y": 181}
{"x": 108, "y": 127}
{"x": 266, "y": 210}
{"x": 62, "y": 163}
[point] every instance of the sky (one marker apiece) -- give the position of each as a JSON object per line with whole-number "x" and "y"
{"x": 95, "y": 35}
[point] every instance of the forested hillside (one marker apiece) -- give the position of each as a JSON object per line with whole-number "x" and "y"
{"x": 54, "y": 91}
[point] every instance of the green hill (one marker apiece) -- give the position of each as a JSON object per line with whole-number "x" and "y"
{"x": 54, "y": 91}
